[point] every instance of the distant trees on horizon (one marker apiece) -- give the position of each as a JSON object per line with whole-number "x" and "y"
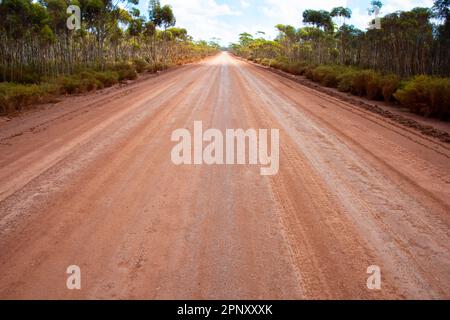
{"x": 409, "y": 42}
{"x": 35, "y": 41}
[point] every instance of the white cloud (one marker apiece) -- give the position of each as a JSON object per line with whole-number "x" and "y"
{"x": 395, "y": 5}
{"x": 360, "y": 19}
{"x": 245, "y": 4}
{"x": 290, "y": 11}
{"x": 202, "y": 18}
{"x": 201, "y": 8}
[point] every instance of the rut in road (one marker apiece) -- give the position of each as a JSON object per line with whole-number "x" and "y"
{"x": 90, "y": 182}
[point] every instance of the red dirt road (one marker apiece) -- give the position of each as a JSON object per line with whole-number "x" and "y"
{"x": 90, "y": 182}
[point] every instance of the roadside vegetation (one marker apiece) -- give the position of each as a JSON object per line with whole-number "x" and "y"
{"x": 40, "y": 57}
{"x": 406, "y": 62}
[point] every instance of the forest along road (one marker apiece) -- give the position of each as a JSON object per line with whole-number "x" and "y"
{"x": 90, "y": 182}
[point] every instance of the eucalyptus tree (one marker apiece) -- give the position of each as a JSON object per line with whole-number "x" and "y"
{"x": 343, "y": 14}
{"x": 441, "y": 11}
{"x": 161, "y": 16}
{"x": 323, "y": 23}
{"x": 320, "y": 19}
{"x": 375, "y": 5}
{"x": 245, "y": 39}
{"x": 288, "y": 38}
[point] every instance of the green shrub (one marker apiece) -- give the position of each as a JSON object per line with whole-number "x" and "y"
{"x": 359, "y": 82}
{"x": 13, "y": 96}
{"x": 367, "y": 83}
{"x": 309, "y": 72}
{"x": 88, "y": 81}
{"x": 440, "y": 98}
{"x": 125, "y": 71}
{"x": 266, "y": 62}
{"x": 425, "y": 95}
{"x": 90, "y": 84}
{"x": 69, "y": 85}
{"x": 140, "y": 65}
{"x": 276, "y": 64}
{"x": 318, "y": 74}
{"x": 286, "y": 67}
{"x": 373, "y": 85}
{"x": 346, "y": 80}
{"x": 280, "y": 63}
{"x": 390, "y": 84}
{"x": 79, "y": 83}
{"x": 107, "y": 78}
{"x": 298, "y": 68}
{"x": 157, "y": 66}
{"x": 327, "y": 75}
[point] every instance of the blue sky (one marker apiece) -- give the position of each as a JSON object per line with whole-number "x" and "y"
{"x": 225, "y": 19}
